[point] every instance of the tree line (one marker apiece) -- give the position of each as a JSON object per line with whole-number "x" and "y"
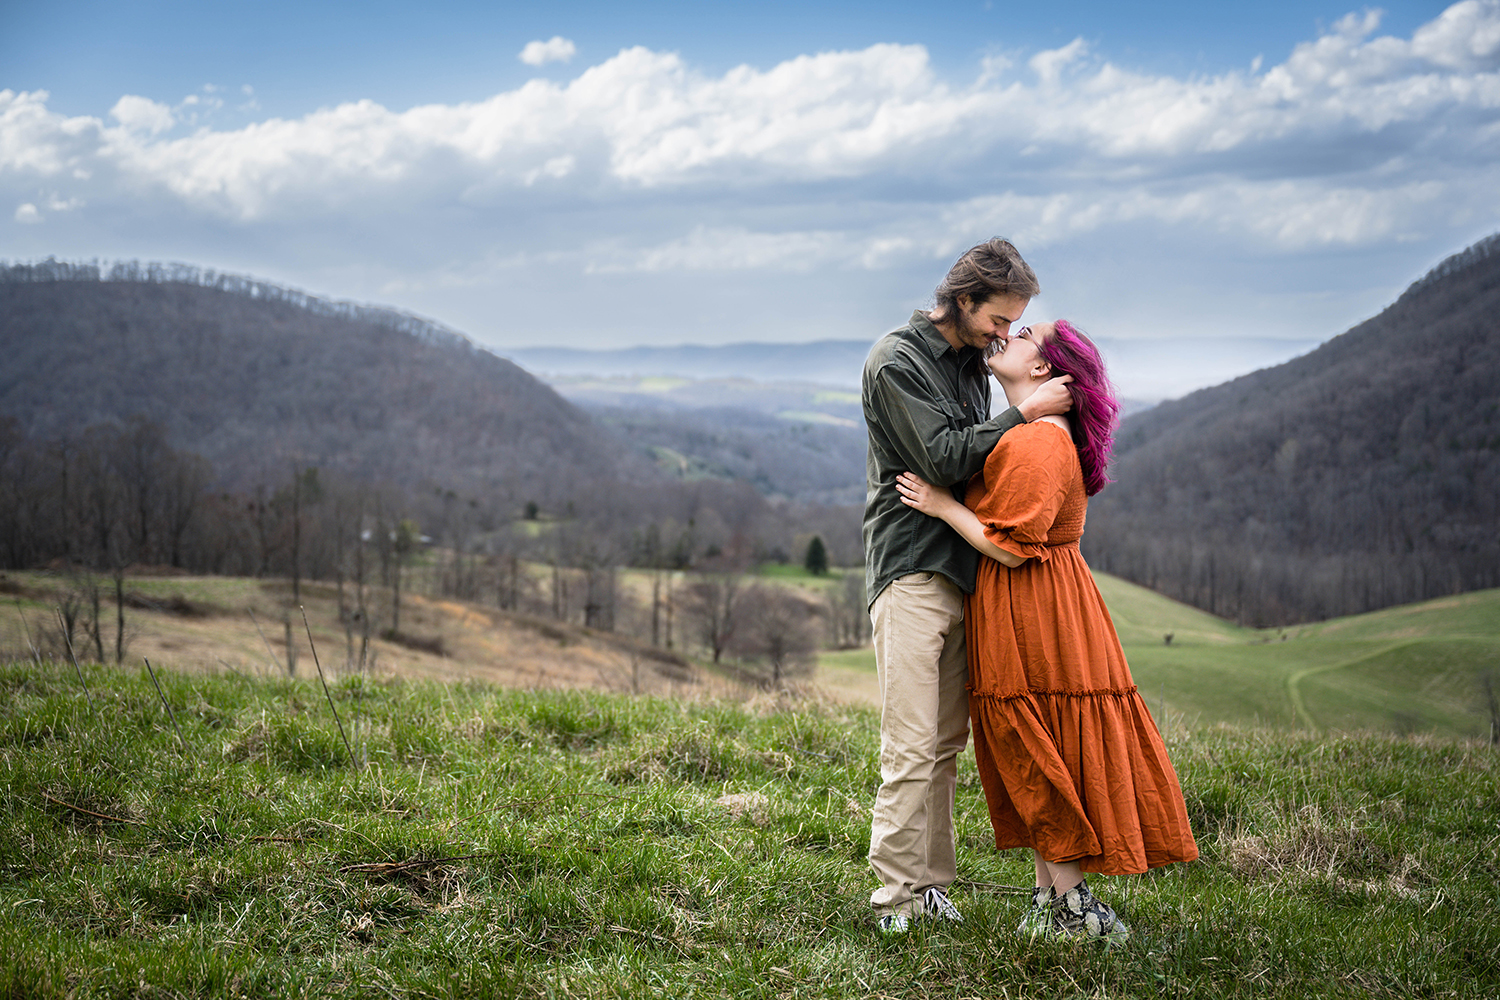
{"x": 118, "y": 499}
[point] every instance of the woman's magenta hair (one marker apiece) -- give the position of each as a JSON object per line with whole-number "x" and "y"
{"x": 1095, "y": 410}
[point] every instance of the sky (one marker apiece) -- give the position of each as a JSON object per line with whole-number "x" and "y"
{"x": 597, "y": 175}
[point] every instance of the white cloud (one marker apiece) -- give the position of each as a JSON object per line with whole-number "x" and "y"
{"x": 1465, "y": 36}
{"x": 643, "y": 166}
{"x": 647, "y": 119}
{"x": 554, "y": 49}
{"x": 1049, "y": 65}
{"x": 706, "y": 249}
{"x": 27, "y": 213}
{"x": 141, "y": 114}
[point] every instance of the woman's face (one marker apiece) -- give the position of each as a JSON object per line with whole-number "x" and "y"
{"x": 1017, "y": 357}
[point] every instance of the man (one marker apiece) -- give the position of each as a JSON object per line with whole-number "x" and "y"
{"x": 926, "y": 400}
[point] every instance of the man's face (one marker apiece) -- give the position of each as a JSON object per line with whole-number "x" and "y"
{"x": 1018, "y": 355}
{"x": 983, "y": 324}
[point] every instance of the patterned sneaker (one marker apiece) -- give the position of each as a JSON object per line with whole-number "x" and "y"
{"x": 937, "y": 906}
{"x": 894, "y": 923}
{"x": 1037, "y": 922}
{"x": 1079, "y": 913}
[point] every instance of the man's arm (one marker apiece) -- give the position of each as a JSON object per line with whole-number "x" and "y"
{"x": 1051, "y": 398}
{"x": 940, "y": 503}
{"x": 918, "y": 428}
{"x": 919, "y": 431}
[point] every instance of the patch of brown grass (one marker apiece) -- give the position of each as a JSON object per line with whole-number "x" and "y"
{"x": 1311, "y": 844}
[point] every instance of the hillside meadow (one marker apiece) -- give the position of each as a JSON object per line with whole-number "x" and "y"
{"x": 469, "y": 840}
{"x": 1418, "y": 668}
{"x": 1413, "y": 669}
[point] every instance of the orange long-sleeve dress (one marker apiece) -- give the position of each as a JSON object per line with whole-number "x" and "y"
{"x": 1070, "y": 759}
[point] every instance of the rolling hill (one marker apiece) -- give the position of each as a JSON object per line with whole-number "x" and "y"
{"x": 252, "y": 377}
{"x": 1417, "y": 668}
{"x": 1362, "y": 475}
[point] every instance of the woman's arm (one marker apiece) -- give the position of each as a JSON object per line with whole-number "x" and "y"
{"x": 940, "y": 503}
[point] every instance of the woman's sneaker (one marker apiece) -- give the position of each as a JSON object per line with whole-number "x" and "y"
{"x": 1079, "y": 913}
{"x": 1037, "y": 921}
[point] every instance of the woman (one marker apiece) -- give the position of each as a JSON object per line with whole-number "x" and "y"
{"x": 1072, "y": 764}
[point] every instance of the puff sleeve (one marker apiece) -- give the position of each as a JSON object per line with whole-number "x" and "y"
{"x": 1022, "y": 487}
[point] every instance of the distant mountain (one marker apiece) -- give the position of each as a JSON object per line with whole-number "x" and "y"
{"x": 824, "y": 362}
{"x": 1145, "y": 370}
{"x": 794, "y": 441}
{"x": 253, "y": 376}
{"x": 1362, "y": 475}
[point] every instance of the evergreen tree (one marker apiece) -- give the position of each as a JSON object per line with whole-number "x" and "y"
{"x": 816, "y": 561}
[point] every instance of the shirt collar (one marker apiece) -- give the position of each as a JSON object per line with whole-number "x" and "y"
{"x": 937, "y": 344}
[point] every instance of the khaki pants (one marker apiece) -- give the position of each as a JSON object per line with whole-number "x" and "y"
{"x": 920, "y": 657}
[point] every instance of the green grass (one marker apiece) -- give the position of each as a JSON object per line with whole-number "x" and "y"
{"x": 854, "y": 659}
{"x": 1415, "y": 668}
{"x": 551, "y": 844}
{"x": 795, "y": 574}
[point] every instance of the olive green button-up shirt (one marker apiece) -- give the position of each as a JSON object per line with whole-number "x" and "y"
{"x": 926, "y": 406}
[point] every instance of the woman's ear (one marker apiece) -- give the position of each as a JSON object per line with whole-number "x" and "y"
{"x": 1041, "y": 371}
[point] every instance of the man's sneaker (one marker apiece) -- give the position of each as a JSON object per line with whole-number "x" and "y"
{"x": 1079, "y": 913}
{"x": 937, "y": 906}
{"x": 1037, "y": 921}
{"x": 894, "y": 923}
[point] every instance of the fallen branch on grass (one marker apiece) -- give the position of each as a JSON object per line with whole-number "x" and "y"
{"x": 90, "y": 812}
{"x": 997, "y": 887}
{"x": 534, "y": 802}
{"x": 393, "y": 867}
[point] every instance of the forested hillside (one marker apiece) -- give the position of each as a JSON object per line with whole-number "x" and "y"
{"x": 162, "y": 416}
{"x": 1362, "y": 475}
{"x": 253, "y": 377}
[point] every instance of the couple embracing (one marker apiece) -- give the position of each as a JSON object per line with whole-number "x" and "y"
{"x": 983, "y": 610}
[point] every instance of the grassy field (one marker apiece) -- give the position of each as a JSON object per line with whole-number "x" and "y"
{"x": 1413, "y": 669}
{"x": 1418, "y": 668}
{"x": 575, "y": 844}
{"x": 213, "y": 630}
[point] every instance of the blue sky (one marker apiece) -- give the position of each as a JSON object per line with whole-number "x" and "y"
{"x": 595, "y": 174}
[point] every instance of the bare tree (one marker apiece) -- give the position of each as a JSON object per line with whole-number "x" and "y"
{"x": 848, "y": 614}
{"x": 779, "y": 628}
{"x": 712, "y": 604}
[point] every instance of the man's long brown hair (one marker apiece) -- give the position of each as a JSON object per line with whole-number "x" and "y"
{"x": 992, "y": 268}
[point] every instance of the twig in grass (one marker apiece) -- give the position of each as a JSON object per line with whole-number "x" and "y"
{"x": 90, "y": 812}
{"x": 393, "y": 867}
{"x": 228, "y": 667}
{"x": 167, "y": 706}
{"x": 341, "y": 829}
{"x": 647, "y": 935}
{"x": 326, "y": 693}
{"x": 35, "y": 655}
{"x": 67, "y": 636}
{"x": 275, "y": 667}
{"x": 997, "y": 887}
{"x": 532, "y": 802}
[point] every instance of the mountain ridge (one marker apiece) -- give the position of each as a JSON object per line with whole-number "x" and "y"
{"x": 251, "y": 375}
{"x": 1361, "y": 475}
